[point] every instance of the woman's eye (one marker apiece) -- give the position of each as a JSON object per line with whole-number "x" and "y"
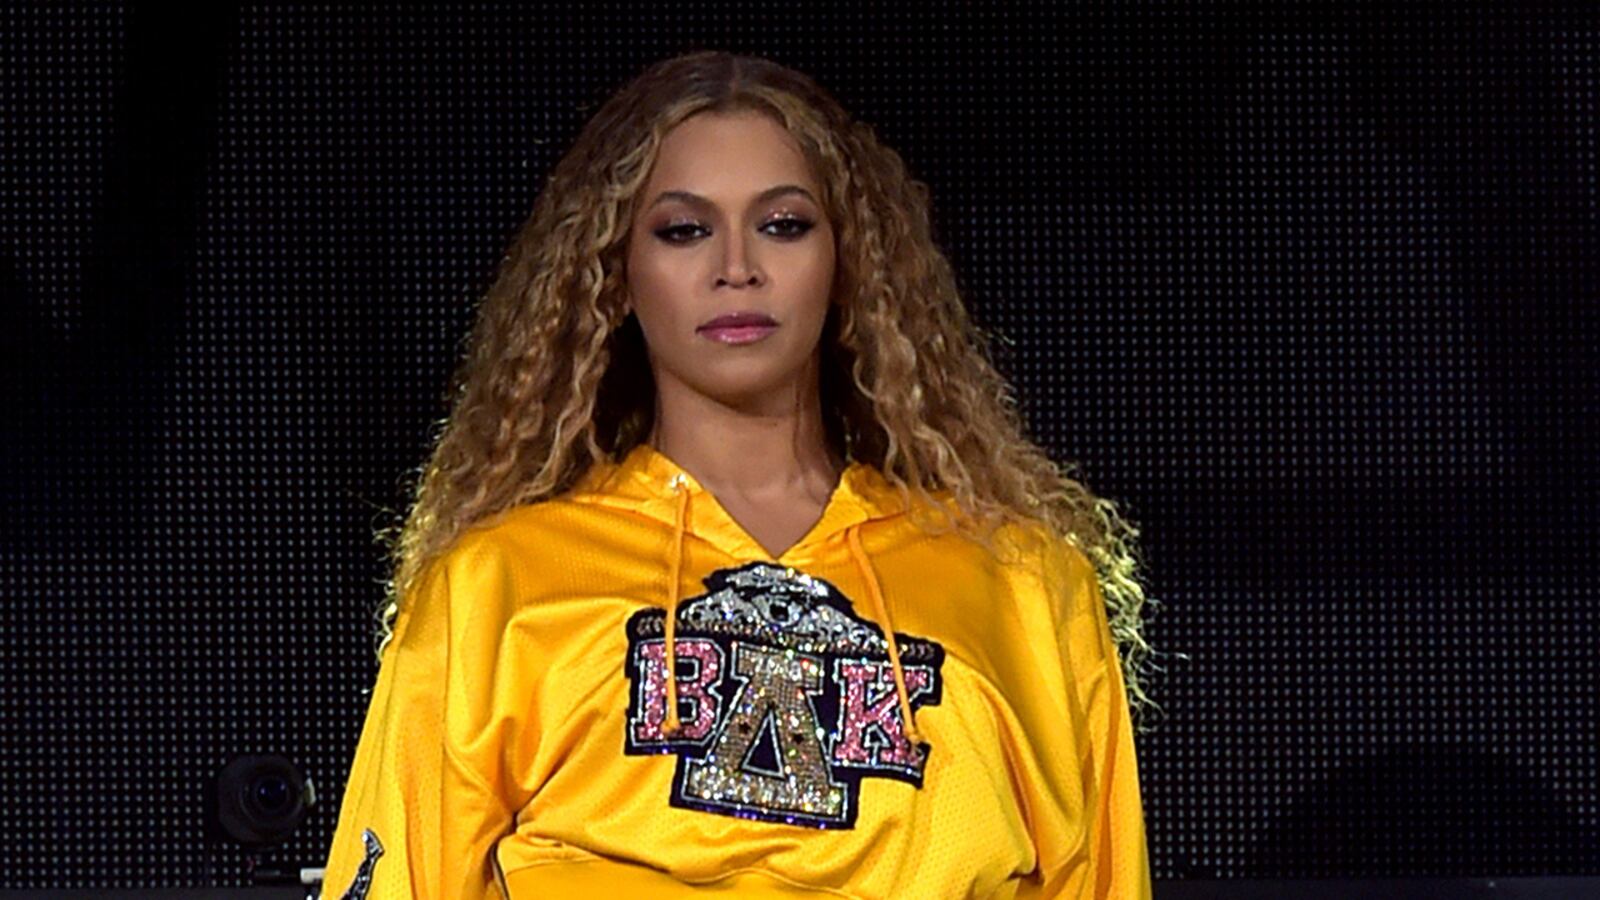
{"x": 679, "y": 234}
{"x": 789, "y": 226}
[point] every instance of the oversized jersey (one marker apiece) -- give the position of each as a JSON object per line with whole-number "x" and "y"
{"x": 617, "y": 692}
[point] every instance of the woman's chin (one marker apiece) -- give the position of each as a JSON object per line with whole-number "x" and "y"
{"x": 770, "y": 395}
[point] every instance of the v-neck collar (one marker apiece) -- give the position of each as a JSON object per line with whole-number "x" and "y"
{"x": 648, "y": 481}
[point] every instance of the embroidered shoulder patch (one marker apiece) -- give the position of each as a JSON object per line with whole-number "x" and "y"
{"x": 786, "y": 696}
{"x": 362, "y": 883}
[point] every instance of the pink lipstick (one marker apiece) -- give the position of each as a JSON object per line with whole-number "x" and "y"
{"x": 743, "y": 327}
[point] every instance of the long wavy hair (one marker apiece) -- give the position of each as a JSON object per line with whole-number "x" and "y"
{"x": 555, "y": 376}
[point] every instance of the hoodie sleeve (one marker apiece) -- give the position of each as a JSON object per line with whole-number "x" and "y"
{"x": 1113, "y": 862}
{"x": 418, "y": 820}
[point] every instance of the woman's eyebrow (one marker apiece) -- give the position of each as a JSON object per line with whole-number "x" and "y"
{"x": 768, "y": 194}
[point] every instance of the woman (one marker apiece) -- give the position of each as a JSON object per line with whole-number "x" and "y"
{"x": 725, "y": 418}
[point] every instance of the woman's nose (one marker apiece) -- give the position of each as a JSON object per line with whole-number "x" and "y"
{"x": 738, "y": 267}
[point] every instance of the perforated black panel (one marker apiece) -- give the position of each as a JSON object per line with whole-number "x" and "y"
{"x": 1313, "y": 293}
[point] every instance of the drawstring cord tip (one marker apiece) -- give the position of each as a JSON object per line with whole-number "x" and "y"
{"x": 671, "y": 723}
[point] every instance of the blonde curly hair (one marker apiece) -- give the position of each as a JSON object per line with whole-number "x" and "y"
{"x": 555, "y": 376}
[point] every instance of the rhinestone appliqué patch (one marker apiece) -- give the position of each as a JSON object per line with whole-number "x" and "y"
{"x": 786, "y": 698}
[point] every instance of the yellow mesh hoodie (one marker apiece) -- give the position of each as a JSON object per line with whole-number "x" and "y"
{"x": 874, "y": 714}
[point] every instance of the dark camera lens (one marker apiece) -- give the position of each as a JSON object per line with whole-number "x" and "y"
{"x": 271, "y": 793}
{"x": 258, "y": 799}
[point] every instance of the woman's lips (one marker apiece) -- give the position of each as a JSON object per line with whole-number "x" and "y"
{"x": 739, "y": 328}
{"x": 738, "y": 334}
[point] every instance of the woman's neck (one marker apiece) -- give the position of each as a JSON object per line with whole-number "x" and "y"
{"x": 781, "y": 450}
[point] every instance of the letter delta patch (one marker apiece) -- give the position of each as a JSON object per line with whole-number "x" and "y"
{"x": 786, "y": 697}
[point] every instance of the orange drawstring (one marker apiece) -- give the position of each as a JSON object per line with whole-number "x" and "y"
{"x": 881, "y": 611}
{"x": 671, "y": 724}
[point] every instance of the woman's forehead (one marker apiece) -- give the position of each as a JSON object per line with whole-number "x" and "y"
{"x": 729, "y": 156}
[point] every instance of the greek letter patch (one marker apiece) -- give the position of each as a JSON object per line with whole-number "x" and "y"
{"x": 786, "y": 697}
{"x": 362, "y": 883}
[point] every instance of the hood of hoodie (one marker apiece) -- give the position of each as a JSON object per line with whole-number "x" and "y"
{"x": 649, "y": 483}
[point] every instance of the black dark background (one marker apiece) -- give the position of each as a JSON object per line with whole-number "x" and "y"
{"x": 1310, "y": 289}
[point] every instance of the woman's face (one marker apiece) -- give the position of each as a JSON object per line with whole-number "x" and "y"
{"x": 730, "y": 224}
